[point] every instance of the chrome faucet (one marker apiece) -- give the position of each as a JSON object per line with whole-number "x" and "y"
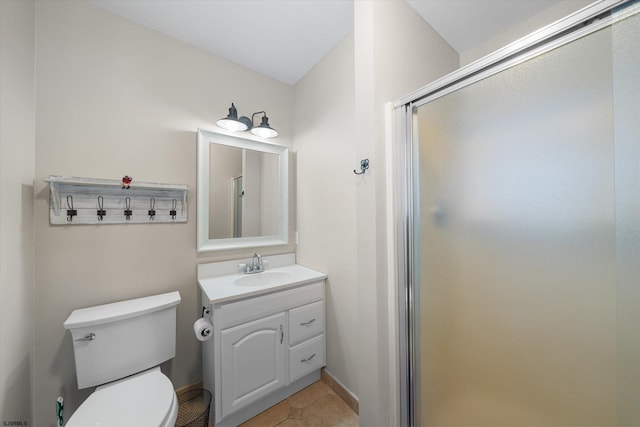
{"x": 255, "y": 266}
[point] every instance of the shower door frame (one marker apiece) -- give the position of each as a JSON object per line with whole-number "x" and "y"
{"x": 405, "y": 165}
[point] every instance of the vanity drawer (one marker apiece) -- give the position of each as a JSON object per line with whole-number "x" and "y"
{"x": 306, "y": 322}
{"x": 306, "y": 357}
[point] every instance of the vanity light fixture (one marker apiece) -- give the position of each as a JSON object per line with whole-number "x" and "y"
{"x": 235, "y": 124}
{"x": 263, "y": 130}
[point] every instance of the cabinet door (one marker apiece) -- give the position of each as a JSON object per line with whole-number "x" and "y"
{"x": 254, "y": 361}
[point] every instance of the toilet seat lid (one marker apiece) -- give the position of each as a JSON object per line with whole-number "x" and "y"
{"x": 144, "y": 399}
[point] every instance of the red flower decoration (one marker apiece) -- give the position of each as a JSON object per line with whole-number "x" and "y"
{"x": 126, "y": 181}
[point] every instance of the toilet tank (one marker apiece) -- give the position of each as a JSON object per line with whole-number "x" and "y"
{"x": 112, "y": 341}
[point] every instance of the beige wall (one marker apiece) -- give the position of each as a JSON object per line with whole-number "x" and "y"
{"x": 115, "y": 98}
{"x": 17, "y": 145}
{"x": 341, "y": 216}
{"x": 396, "y": 51}
{"x": 225, "y": 166}
{"x": 544, "y": 18}
{"x": 252, "y": 167}
{"x": 325, "y": 150}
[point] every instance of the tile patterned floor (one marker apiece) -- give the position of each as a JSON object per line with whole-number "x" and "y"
{"x": 314, "y": 406}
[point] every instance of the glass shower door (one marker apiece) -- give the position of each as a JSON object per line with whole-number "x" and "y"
{"x": 528, "y": 242}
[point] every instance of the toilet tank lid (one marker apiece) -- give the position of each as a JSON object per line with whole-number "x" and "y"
{"x": 105, "y": 313}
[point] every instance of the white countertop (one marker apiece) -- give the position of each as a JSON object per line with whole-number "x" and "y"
{"x": 239, "y": 285}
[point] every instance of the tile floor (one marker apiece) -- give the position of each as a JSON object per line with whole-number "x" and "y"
{"x": 314, "y": 406}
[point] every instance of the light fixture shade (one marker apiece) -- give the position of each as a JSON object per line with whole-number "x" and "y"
{"x": 233, "y": 123}
{"x": 264, "y": 130}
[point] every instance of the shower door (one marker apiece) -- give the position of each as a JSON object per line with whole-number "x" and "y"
{"x": 527, "y": 229}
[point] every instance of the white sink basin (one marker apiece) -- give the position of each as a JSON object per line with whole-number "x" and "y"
{"x": 228, "y": 287}
{"x": 265, "y": 278}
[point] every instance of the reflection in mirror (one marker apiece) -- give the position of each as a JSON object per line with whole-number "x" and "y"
{"x": 242, "y": 192}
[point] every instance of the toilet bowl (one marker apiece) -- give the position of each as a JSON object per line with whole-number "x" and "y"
{"x": 145, "y": 399}
{"x": 118, "y": 347}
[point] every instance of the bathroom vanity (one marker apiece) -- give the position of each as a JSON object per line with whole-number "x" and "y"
{"x": 268, "y": 338}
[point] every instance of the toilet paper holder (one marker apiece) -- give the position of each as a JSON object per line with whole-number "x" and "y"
{"x": 202, "y": 327}
{"x": 205, "y": 310}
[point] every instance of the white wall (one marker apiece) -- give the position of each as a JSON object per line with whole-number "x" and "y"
{"x": 115, "y": 98}
{"x": 17, "y": 145}
{"x": 544, "y": 18}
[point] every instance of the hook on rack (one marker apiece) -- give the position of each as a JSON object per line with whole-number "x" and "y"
{"x": 70, "y": 211}
{"x": 173, "y": 212}
{"x": 152, "y": 208}
{"x": 127, "y": 208}
{"x": 101, "y": 212}
{"x": 364, "y": 165}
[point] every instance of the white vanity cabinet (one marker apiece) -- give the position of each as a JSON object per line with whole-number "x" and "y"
{"x": 265, "y": 345}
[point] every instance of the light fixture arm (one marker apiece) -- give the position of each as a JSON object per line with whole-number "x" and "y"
{"x": 263, "y": 129}
{"x": 264, "y": 116}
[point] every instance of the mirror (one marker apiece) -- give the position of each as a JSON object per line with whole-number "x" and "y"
{"x": 242, "y": 192}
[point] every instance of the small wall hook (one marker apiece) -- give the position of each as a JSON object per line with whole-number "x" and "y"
{"x": 101, "y": 212}
{"x": 364, "y": 165}
{"x": 152, "y": 208}
{"x": 127, "y": 208}
{"x": 70, "y": 211}
{"x": 173, "y": 212}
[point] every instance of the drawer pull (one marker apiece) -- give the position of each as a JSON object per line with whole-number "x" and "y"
{"x": 309, "y": 323}
{"x": 281, "y": 334}
{"x": 308, "y": 359}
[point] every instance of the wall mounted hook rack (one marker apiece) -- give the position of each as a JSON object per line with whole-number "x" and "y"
{"x": 89, "y": 199}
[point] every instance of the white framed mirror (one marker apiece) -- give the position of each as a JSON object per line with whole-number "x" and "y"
{"x": 242, "y": 192}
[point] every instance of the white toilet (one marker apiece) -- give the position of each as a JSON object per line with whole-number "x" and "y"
{"x": 118, "y": 348}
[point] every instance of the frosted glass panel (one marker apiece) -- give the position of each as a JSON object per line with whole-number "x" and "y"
{"x": 517, "y": 235}
{"x": 626, "y": 86}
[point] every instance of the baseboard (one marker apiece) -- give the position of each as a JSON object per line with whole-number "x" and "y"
{"x": 188, "y": 388}
{"x": 343, "y": 393}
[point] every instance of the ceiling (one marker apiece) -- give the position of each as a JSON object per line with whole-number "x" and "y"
{"x": 284, "y": 39}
